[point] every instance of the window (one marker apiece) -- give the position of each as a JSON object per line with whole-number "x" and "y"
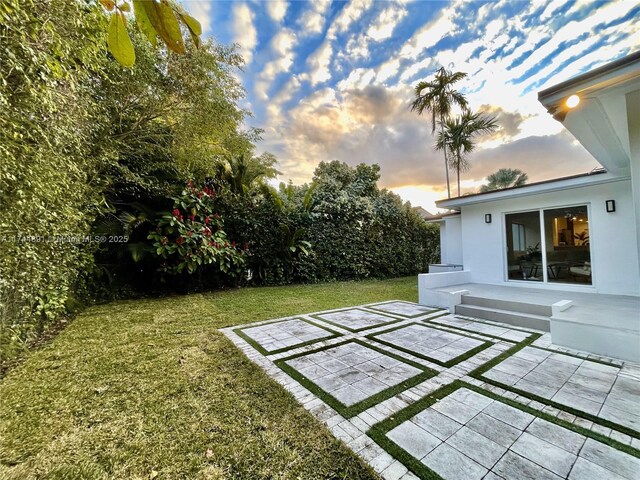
{"x": 519, "y": 242}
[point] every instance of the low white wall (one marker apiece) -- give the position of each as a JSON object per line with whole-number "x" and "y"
{"x": 429, "y": 283}
{"x": 613, "y": 240}
{"x": 598, "y": 339}
{"x": 451, "y": 249}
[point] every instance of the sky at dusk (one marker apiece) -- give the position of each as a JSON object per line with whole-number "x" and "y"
{"x": 333, "y": 80}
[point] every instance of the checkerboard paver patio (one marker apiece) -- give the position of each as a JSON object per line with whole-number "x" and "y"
{"x": 279, "y": 336}
{"x": 505, "y": 332}
{"x": 356, "y": 319}
{"x": 403, "y": 309}
{"x": 430, "y": 343}
{"x": 472, "y": 431}
{"x": 352, "y": 372}
{"x": 468, "y": 435}
{"x": 581, "y": 384}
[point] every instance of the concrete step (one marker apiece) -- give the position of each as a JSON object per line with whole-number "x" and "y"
{"x": 517, "y": 319}
{"x": 509, "y": 305}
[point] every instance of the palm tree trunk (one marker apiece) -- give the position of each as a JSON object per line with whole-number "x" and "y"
{"x": 446, "y": 161}
{"x": 458, "y": 164}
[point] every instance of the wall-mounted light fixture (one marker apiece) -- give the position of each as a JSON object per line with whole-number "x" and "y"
{"x": 573, "y": 101}
{"x": 487, "y": 218}
{"x": 611, "y": 206}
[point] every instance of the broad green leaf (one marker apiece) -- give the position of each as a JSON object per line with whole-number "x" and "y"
{"x": 164, "y": 21}
{"x": 124, "y": 7}
{"x": 108, "y": 4}
{"x": 195, "y": 29}
{"x": 119, "y": 42}
{"x": 144, "y": 24}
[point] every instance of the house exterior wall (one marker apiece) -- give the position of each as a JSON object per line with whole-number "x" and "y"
{"x": 451, "y": 250}
{"x": 633, "y": 121}
{"x": 613, "y": 237}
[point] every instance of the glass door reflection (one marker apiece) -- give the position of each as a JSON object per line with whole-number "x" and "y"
{"x": 524, "y": 257}
{"x": 568, "y": 251}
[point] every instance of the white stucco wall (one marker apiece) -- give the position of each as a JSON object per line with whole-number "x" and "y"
{"x": 613, "y": 236}
{"x": 451, "y": 249}
{"x": 633, "y": 119}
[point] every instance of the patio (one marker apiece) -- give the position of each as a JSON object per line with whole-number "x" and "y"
{"x": 416, "y": 391}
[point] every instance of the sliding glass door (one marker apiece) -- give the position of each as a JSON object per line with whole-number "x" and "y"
{"x": 567, "y": 248}
{"x": 524, "y": 257}
{"x": 550, "y": 246}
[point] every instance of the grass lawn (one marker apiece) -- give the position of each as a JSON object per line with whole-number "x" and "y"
{"x": 149, "y": 389}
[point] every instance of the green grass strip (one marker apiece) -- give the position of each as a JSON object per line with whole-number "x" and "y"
{"x": 378, "y": 432}
{"x": 558, "y": 421}
{"x": 480, "y": 371}
{"x": 392, "y": 319}
{"x": 503, "y": 325}
{"x": 581, "y": 357}
{"x": 462, "y": 328}
{"x": 448, "y": 363}
{"x": 355, "y": 409}
{"x": 261, "y": 349}
{"x": 444, "y": 314}
{"x": 377, "y": 308}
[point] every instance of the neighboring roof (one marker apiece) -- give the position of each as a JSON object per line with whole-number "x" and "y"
{"x": 441, "y": 216}
{"x": 427, "y": 215}
{"x": 574, "y": 181}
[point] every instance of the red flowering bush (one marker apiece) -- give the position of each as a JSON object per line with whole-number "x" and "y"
{"x": 192, "y": 235}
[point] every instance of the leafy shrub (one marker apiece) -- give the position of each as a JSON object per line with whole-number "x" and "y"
{"x": 192, "y": 235}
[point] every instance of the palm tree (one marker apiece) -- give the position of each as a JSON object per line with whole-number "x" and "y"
{"x": 245, "y": 172}
{"x": 505, "y": 178}
{"x": 438, "y": 98}
{"x": 457, "y": 135}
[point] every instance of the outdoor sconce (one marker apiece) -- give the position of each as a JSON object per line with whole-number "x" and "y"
{"x": 573, "y": 101}
{"x": 487, "y": 218}
{"x": 611, "y": 206}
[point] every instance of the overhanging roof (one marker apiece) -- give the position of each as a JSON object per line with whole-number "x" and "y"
{"x": 600, "y": 122}
{"x": 565, "y": 183}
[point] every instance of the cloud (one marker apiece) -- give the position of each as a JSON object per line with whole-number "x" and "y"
{"x": 201, "y": 11}
{"x": 313, "y": 20}
{"x": 244, "y": 31}
{"x": 349, "y": 14}
{"x": 319, "y": 62}
{"x": 430, "y": 34}
{"x": 282, "y": 45}
{"x": 386, "y": 22}
{"x": 541, "y": 157}
{"x": 380, "y": 29}
{"x": 277, "y": 10}
{"x": 509, "y": 122}
{"x": 360, "y": 114}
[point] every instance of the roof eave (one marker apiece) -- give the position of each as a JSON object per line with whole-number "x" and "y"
{"x": 532, "y": 189}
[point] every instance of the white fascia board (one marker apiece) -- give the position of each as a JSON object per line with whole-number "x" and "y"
{"x": 559, "y": 185}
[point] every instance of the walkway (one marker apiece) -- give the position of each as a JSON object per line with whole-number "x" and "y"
{"x": 416, "y": 391}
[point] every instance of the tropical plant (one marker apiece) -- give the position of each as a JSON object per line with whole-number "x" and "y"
{"x": 192, "y": 236}
{"x": 154, "y": 19}
{"x": 438, "y": 98}
{"x": 244, "y": 173}
{"x": 582, "y": 238}
{"x": 505, "y": 178}
{"x": 51, "y": 50}
{"x": 457, "y": 136}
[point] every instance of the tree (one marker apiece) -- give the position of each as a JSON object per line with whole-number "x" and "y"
{"x": 457, "y": 135}
{"x": 505, "y": 178}
{"x": 245, "y": 173}
{"x": 438, "y": 98}
{"x": 154, "y": 19}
